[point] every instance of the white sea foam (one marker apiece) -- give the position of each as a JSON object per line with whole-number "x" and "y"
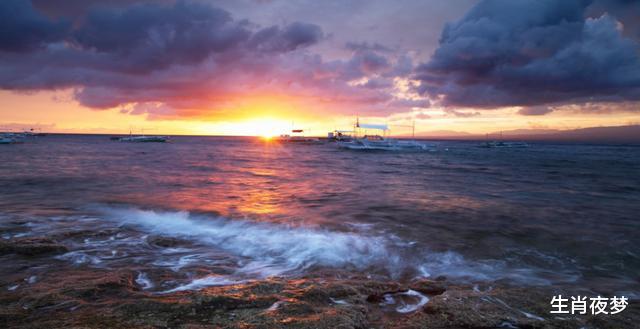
{"x": 275, "y": 306}
{"x": 143, "y": 281}
{"x": 276, "y": 249}
{"x": 268, "y": 244}
{"x": 205, "y": 282}
{"x": 79, "y": 257}
{"x": 410, "y": 307}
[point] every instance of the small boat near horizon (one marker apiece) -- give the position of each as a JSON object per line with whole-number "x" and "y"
{"x": 140, "y": 138}
{"x": 297, "y": 137}
{"x": 144, "y": 139}
{"x": 502, "y": 144}
{"x": 11, "y": 138}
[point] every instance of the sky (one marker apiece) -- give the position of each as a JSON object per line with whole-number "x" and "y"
{"x": 262, "y": 67}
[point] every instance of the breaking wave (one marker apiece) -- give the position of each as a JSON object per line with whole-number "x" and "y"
{"x": 278, "y": 249}
{"x": 269, "y": 245}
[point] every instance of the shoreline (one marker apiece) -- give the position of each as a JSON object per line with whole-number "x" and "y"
{"x": 90, "y": 297}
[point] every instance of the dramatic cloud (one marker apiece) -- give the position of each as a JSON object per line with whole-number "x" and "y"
{"x": 536, "y": 52}
{"x": 462, "y": 114}
{"x": 25, "y": 29}
{"x": 190, "y": 58}
{"x": 535, "y": 110}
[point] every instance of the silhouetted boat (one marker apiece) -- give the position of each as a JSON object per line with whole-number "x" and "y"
{"x": 144, "y": 139}
{"x": 297, "y": 137}
{"x": 502, "y": 144}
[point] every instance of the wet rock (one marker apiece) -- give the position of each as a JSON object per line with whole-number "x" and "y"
{"x": 265, "y": 287}
{"x": 83, "y": 234}
{"x": 314, "y": 294}
{"x": 296, "y": 308}
{"x": 31, "y": 246}
{"x": 375, "y": 298}
{"x": 223, "y": 302}
{"x": 429, "y": 287}
{"x": 461, "y": 307}
{"x": 95, "y": 298}
{"x": 165, "y": 242}
{"x": 341, "y": 290}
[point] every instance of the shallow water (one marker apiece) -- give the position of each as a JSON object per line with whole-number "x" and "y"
{"x": 241, "y": 209}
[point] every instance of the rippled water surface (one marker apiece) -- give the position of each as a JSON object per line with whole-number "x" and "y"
{"x": 215, "y": 211}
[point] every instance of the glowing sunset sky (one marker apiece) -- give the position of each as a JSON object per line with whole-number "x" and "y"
{"x": 252, "y": 67}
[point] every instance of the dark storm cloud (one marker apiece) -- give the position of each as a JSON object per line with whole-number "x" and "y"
{"x": 24, "y": 29}
{"x": 533, "y": 52}
{"x": 76, "y": 8}
{"x": 146, "y": 37}
{"x": 626, "y": 11}
{"x": 289, "y": 38}
{"x": 175, "y": 59}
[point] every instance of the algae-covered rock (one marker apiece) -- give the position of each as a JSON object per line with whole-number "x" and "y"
{"x": 31, "y": 246}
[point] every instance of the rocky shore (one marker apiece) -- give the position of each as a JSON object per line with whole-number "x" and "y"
{"x": 86, "y": 297}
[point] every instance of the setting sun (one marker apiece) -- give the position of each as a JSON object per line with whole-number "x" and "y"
{"x": 263, "y": 127}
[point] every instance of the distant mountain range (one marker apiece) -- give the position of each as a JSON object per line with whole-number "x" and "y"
{"x": 615, "y": 134}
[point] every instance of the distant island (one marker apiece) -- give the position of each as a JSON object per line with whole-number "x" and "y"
{"x": 629, "y": 134}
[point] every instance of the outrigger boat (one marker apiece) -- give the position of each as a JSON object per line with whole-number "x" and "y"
{"x": 145, "y": 139}
{"x": 381, "y": 142}
{"x": 502, "y": 144}
{"x": 10, "y": 139}
{"x": 297, "y": 137}
{"x": 141, "y": 139}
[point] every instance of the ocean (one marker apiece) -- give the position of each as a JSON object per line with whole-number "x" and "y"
{"x": 243, "y": 209}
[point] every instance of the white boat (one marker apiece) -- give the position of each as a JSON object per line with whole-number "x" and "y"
{"x": 502, "y": 144}
{"x": 297, "y": 137}
{"x": 7, "y": 139}
{"x": 380, "y": 142}
{"x": 16, "y": 136}
{"x": 144, "y": 139}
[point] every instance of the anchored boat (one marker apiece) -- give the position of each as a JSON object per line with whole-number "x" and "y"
{"x": 144, "y": 139}
{"x": 380, "y": 142}
{"x": 502, "y": 144}
{"x": 297, "y": 137}
{"x": 10, "y": 139}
